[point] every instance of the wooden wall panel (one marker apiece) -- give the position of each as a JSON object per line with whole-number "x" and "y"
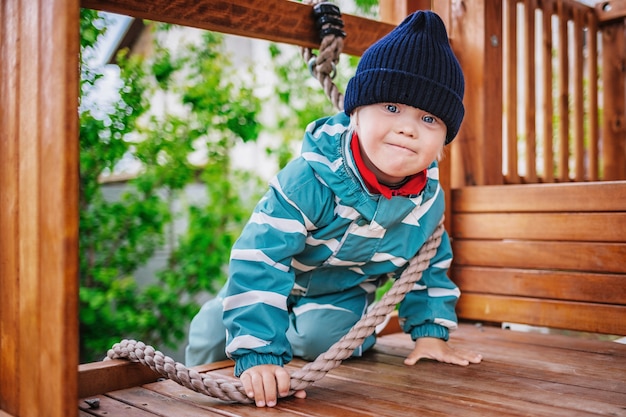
{"x": 542, "y": 254}
{"x": 541, "y": 283}
{"x": 572, "y": 197}
{"x": 588, "y": 317}
{"x": 39, "y": 211}
{"x": 589, "y": 227}
{"x": 573, "y": 256}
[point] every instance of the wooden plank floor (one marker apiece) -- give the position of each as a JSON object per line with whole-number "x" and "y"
{"x": 522, "y": 374}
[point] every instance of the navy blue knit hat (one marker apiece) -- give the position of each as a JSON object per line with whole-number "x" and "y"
{"x": 414, "y": 65}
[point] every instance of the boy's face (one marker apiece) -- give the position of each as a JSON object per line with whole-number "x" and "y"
{"x": 398, "y": 140}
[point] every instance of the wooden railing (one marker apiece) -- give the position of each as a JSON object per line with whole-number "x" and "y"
{"x": 546, "y": 89}
{"x": 553, "y": 84}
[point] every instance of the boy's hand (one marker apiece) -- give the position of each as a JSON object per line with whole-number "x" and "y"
{"x": 439, "y": 350}
{"x": 266, "y": 383}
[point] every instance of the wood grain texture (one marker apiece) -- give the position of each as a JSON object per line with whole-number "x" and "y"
{"x": 614, "y": 104}
{"x": 582, "y": 227}
{"x": 478, "y": 146}
{"x": 39, "y": 216}
{"x": 99, "y": 377}
{"x": 522, "y": 374}
{"x": 569, "y": 197}
{"x": 608, "y": 11}
{"x": 9, "y": 206}
{"x": 275, "y": 20}
{"x": 586, "y": 317}
{"x": 550, "y": 255}
{"x": 543, "y": 283}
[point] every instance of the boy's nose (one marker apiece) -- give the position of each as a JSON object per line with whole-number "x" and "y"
{"x": 407, "y": 129}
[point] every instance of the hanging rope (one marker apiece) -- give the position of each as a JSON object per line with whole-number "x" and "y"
{"x": 313, "y": 371}
{"x": 324, "y": 65}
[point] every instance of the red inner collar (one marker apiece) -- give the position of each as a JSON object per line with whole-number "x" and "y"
{"x": 413, "y": 186}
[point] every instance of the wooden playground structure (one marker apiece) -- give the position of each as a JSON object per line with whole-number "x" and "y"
{"x": 536, "y": 193}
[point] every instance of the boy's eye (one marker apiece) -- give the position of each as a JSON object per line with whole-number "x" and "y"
{"x": 391, "y": 108}
{"x": 429, "y": 119}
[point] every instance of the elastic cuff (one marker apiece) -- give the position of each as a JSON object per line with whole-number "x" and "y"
{"x": 253, "y": 359}
{"x": 430, "y": 330}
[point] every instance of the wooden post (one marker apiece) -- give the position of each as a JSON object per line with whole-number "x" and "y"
{"x": 614, "y": 99}
{"x": 477, "y": 41}
{"x": 394, "y": 11}
{"x": 39, "y": 41}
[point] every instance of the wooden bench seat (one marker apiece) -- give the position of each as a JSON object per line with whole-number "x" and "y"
{"x": 523, "y": 374}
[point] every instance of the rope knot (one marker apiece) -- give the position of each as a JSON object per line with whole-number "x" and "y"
{"x": 323, "y": 67}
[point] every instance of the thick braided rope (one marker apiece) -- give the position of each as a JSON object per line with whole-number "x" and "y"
{"x": 325, "y": 64}
{"x": 228, "y": 390}
{"x": 332, "y": 358}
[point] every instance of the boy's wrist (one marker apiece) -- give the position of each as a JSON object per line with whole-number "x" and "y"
{"x": 249, "y": 360}
{"x": 430, "y": 330}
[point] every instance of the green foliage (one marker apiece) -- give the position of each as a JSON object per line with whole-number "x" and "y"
{"x": 186, "y": 140}
{"x": 300, "y": 98}
{"x": 117, "y": 237}
{"x": 367, "y": 7}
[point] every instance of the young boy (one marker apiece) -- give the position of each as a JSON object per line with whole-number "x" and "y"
{"x": 345, "y": 216}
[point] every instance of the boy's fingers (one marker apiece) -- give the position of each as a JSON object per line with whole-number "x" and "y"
{"x": 247, "y": 385}
{"x": 300, "y": 394}
{"x": 269, "y": 390}
{"x": 283, "y": 382}
{"x": 411, "y": 360}
{"x": 414, "y": 357}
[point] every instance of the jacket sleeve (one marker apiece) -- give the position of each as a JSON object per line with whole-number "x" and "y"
{"x": 261, "y": 278}
{"x": 428, "y": 310}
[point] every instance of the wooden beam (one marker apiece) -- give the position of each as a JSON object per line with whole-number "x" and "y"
{"x": 101, "y": 377}
{"x": 274, "y": 20}
{"x": 608, "y": 11}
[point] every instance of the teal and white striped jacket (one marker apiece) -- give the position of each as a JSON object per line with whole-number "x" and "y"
{"x": 318, "y": 230}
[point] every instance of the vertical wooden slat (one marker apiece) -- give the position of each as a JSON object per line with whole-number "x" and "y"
{"x": 592, "y": 92}
{"x": 613, "y": 80}
{"x": 511, "y": 92}
{"x": 443, "y": 9}
{"x": 548, "y": 111}
{"x": 563, "y": 94}
{"x": 9, "y": 285}
{"x": 531, "y": 154}
{"x": 578, "y": 97}
{"x": 39, "y": 211}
